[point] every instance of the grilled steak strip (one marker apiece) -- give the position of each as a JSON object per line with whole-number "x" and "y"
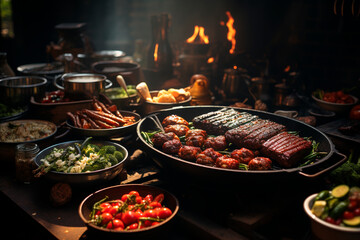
{"x": 286, "y": 149}
{"x": 253, "y": 134}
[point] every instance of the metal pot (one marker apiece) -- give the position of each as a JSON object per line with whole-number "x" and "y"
{"x": 129, "y": 71}
{"x": 79, "y": 86}
{"x": 16, "y": 91}
{"x": 204, "y": 174}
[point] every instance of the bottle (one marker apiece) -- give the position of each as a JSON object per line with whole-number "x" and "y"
{"x": 5, "y": 69}
{"x": 160, "y": 57}
{"x": 24, "y": 161}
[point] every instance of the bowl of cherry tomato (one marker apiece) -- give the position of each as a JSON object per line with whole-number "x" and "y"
{"x": 336, "y": 101}
{"x": 129, "y": 211}
{"x": 335, "y": 214}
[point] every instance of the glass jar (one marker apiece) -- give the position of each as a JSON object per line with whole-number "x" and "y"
{"x": 24, "y": 161}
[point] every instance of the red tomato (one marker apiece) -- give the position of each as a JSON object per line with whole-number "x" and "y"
{"x": 118, "y": 224}
{"x": 154, "y": 223}
{"x": 164, "y": 213}
{"x": 147, "y": 223}
{"x": 105, "y": 206}
{"x": 355, "y": 112}
{"x": 106, "y": 217}
{"x": 118, "y": 215}
{"x": 124, "y": 197}
{"x": 109, "y": 225}
{"x": 133, "y": 226}
{"x": 348, "y": 215}
{"x": 150, "y": 213}
{"x": 149, "y": 198}
{"x": 330, "y": 220}
{"x": 129, "y": 217}
{"x": 113, "y": 210}
{"x": 116, "y": 202}
{"x": 338, "y": 221}
{"x": 134, "y": 193}
{"x": 159, "y": 198}
{"x": 138, "y": 199}
{"x": 357, "y": 212}
{"x": 352, "y": 205}
{"x": 155, "y": 205}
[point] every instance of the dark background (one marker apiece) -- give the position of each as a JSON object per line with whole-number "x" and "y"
{"x": 306, "y": 34}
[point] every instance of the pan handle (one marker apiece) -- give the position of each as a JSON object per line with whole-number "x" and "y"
{"x": 342, "y": 157}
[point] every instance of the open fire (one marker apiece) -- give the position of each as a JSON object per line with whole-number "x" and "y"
{"x": 231, "y": 31}
{"x": 198, "y": 36}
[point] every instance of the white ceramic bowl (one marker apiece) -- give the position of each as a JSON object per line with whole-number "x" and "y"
{"x": 328, "y": 231}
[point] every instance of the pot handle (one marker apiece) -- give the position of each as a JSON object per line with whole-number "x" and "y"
{"x": 59, "y": 86}
{"x": 342, "y": 157}
{"x": 108, "y": 83}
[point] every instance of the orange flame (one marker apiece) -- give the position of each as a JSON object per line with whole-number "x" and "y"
{"x": 231, "y": 32}
{"x": 210, "y": 60}
{"x": 156, "y": 52}
{"x": 198, "y": 31}
{"x": 287, "y": 68}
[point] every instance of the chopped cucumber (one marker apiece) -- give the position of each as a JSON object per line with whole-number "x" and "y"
{"x": 318, "y": 208}
{"x": 339, "y": 209}
{"x": 355, "y": 221}
{"x": 333, "y": 203}
{"x": 322, "y": 195}
{"x": 340, "y": 191}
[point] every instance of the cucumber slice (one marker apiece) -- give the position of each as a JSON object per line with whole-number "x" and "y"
{"x": 353, "y": 222}
{"x": 340, "y": 191}
{"x": 339, "y": 209}
{"x": 318, "y": 208}
{"x": 322, "y": 195}
{"x": 333, "y": 203}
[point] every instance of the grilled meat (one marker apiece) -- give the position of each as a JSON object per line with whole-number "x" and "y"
{"x": 260, "y": 163}
{"x": 227, "y": 162}
{"x": 217, "y": 143}
{"x": 174, "y": 119}
{"x": 218, "y": 122}
{"x": 244, "y": 155}
{"x": 178, "y": 129}
{"x": 189, "y": 152}
{"x": 172, "y": 146}
{"x": 253, "y": 134}
{"x": 196, "y": 141}
{"x": 194, "y": 132}
{"x": 286, "y": 149}
{"x": 208, "y": 157}
{"x": 160, "y": 138}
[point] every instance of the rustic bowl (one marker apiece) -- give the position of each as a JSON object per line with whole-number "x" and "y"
{"x": 338, "y": 108}
{"x": 115, "y": 192}
{"x": 325, "y": 230}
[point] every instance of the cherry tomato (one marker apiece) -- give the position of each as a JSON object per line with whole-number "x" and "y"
{"x": 124, "y": 197}
{"x": 129, "y": 217}
{"x": 147, "y": 223}
{"x": 138, "y": 199}
{"x": 330, "y": 220}
{"x": 150, "y": 213}
{"x": 164, "y": 213}
{"x": 352, "y": 205}
{"x": 105, "y": 205}
{"x": 118, "y": 224}
{"x": 133, "y": 226}
{"x": 134, "y": 193}
{"x": 155, "y": 205}
{"x": 106, "y": 217}
{"x": 109, "y": 225}
{"x": 118, "y": 215}
{"x": 355, "y": 112}
{"x": 159, "y": 198}
{"x": 338, "y": 221}
{"x": 357, "y": 212}
{"x": 116, "y": 202}
{"x": 149, "y": 198}
{"x": 348, "y": 215}
{"x": 154, "y": 223}
{"x": 113, "y": 210}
